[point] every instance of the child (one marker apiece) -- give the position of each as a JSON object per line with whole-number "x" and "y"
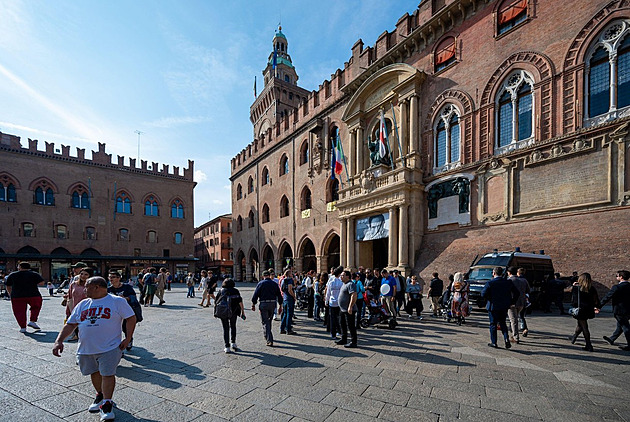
{"x": 51, "y": 288}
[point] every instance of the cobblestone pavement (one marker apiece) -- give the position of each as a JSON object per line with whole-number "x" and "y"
{"x": 426, "y": 370}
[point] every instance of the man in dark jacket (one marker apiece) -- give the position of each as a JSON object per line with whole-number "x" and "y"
{"x": 500, "y": 294}
{"x": 620, "y": 295}
{"x": 435, "y": 293}
{"x": 268, "y": 292}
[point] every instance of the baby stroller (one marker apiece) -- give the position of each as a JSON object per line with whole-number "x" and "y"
{"x": 377, "y": 314}
{"x": 301, "y": 296}
{"x": 445, "y": 305}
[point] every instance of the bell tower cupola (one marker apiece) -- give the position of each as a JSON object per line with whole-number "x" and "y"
{"x": 279, "y": 64}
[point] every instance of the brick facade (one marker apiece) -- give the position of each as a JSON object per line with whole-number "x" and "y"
{"x": 213, "y": 245}
{"x": 549, "y": 163}
{"x": 65, "y": 231}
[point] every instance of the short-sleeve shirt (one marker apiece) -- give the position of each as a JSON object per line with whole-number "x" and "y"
{"x": 392, "y": 283}
{"x": 24, "y": 283}
{"x": 414, "y": 291}
{"x": 344, "y": 296}
{"x": 284, "y": 287}
{"x": 125, "y": 290}
{"x": 100, "y": 323}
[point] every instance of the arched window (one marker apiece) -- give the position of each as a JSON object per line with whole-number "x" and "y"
{"x": 239, "y": 224}
{"x": 333, "y": 190}
{"x": 287, "y": 78}
{"x": 284, "y": 165}
{"x": 239, "y": 191}
{"x": 44, "y": 196}
{"x": 265, "y": 176}
{"x": 445, "y": 54}
{"x": 61, "y": 231}
{"x": 515, "y": 111}
{"x": 250, "y": 219}
{"x": 511, "y": 13}
{"x": 123, "y": 235}
{"x": 178, "y": 239}
{"x": 151, "y": 236}
{"x": 151, "y": 206}
{"x": 304, "y": 153}
{"x": 7, "y": 193}
{"x": 607, "y": 73}
{"x": 265, "y": 213}
{"x": 250, "y": 185}
{"x": 177, "y": 209}
{"x": 284, "y": 207}
{"x": 305, "y": 199}
{"x": 80, "y": 199}
{"x": 123, "y": 203}
{"x": 447, "y": 139}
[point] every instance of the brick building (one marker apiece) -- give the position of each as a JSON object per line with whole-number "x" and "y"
{"x": 58, "y": 209}
{"x": 504, "y": 124}
{"x": 213, "y": 245}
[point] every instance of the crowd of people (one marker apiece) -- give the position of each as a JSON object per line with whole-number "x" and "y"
{"x": 102, "y": 314}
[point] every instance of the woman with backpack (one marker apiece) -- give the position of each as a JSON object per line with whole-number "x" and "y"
{"x": 228, "y": 306}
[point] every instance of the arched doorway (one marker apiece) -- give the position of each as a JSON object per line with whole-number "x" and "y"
{"x": 332, "y": 252}
{"x": 309, "y": 256}
{"x": 267, "y": 257}
{"x": 286, "y": 256}
{"x": 254, "y": 266}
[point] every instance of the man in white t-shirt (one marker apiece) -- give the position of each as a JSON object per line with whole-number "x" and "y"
{"x": 100, "y": 319}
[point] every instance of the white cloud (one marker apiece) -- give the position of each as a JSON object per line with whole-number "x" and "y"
{"x": 228, "y": 187}
{"x": 200, "y": 176}
{"x": 217, "y": 202}
{"x": 33, "y": 131}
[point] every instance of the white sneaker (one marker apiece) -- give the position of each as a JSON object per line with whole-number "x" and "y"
{"x": 22, "y": 330}
{"x": 107, "y": 411}
{"x": 234, "y": 347}
{"x": 275, "y": 317}
{"x": 226, "y": 350}
{"x": 96, "y": 405}
{"x": 34, "y": 326}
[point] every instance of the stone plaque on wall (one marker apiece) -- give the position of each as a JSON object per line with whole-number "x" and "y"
{"x": 575, "y": 181}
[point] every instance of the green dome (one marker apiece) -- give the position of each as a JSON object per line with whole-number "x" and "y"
{"x": 279, "y": 34}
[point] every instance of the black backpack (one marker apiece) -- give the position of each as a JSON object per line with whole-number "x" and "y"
{"x": 223, "y": 305}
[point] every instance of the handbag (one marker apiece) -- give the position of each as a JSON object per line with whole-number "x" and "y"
{"x": 137, "y": 309}
{"x": 64, "y": 302}
{"x": 575, "y": 312}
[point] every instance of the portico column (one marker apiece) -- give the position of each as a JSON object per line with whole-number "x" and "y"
{"x": 392, "y": 258}
{"x": 403, "y": 239}
{"x": 404, "y": 127}
{"x": 249, "y": 270}
{"x": 278, "y": 266}
{"x": 414, "y": 140}
{"x": 343, "y": 241}
{"x": 237, "y": 272}
{"x": 322, "y": 262}
{"x": 352, "y": 159}
{"x": 350, "y": 243}
{"x": 360, "y": 150}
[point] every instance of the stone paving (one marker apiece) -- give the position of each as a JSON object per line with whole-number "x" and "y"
{"x": 426, "y": 370}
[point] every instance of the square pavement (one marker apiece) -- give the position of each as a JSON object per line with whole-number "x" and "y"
{"x": 428, "y": 370}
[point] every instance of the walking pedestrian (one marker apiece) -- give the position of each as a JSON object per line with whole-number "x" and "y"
{"x": 332, "y": 296}
{"x": 76, "y": 293}
{"x": 414, "y": 298}
{"x": 126, "y": 291}
{"x": 584, "y": 297}
{"x": 190, "y": 283}
{"x": 348, "y": 309}
{"x": 288, "y": 303}
{"x": 228, "y": 306}
{"x": 203, "y": 285}
{"x": 620, "y": 296}
{"x": 388, "y": 293}
{"x": 100, "y": 317}
{"x": 160, "y": 281}
{"x": 22, "y": 288}
{"x": 150, "y": 285}
{"x": 523, "y": 314}
{"x": 436, "y": 285}
{"x": 268, "y": 294}
{"x": 515, "y": 310}
{"x": 500, "y": 294}
{"x": 360, "y": 289}
{"x": 460, "y": 307}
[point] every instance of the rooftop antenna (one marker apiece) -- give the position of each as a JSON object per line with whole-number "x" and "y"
{"x": 139, "y": 133}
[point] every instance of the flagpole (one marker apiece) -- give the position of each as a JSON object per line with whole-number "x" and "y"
{"x": 398, "y": 137}
{"x": 344, "y": 156}
{"x": 389, "y": 148}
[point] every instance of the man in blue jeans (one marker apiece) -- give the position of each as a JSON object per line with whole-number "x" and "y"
{"x": 501, "y": 294}
{"x": 288, "y": 303}
{"x": 268, "y": 293}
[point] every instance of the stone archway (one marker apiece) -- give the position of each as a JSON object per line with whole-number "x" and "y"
{"x": 308, "y": 256}
{"x": 332, "y": 256}
{"x": 267, "y": 258}
{"x": 285, "y": 257}
{"x": 253, "y": 266}
{"x": 239, "y": 266}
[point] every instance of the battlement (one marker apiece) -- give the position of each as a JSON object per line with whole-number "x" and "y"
{"x": 99, "y": 158}
{"x": 414, "y": 34}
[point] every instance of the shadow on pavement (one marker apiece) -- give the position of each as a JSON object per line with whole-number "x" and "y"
{"x": 148, "y": 368}
{"x": 276, "y": 361}
{"x": 43, "y": 336}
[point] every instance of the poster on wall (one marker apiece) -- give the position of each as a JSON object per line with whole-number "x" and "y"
{"x": 373, "y": 227}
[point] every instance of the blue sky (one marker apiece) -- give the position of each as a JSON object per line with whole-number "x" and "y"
{"x": 182, "y": 72}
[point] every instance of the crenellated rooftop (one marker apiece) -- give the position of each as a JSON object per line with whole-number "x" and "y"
{"x": 99, "y": 158}
{"x": 412, "y": 35}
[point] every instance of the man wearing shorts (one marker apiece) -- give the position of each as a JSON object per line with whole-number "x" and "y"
{"x": 100, "y": 319}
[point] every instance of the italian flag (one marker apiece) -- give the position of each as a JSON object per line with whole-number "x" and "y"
{"x": 337, "y": 157}
{"x": 382, "y": 142}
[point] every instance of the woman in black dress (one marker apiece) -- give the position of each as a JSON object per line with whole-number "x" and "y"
{"x": 584, "y": 296}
